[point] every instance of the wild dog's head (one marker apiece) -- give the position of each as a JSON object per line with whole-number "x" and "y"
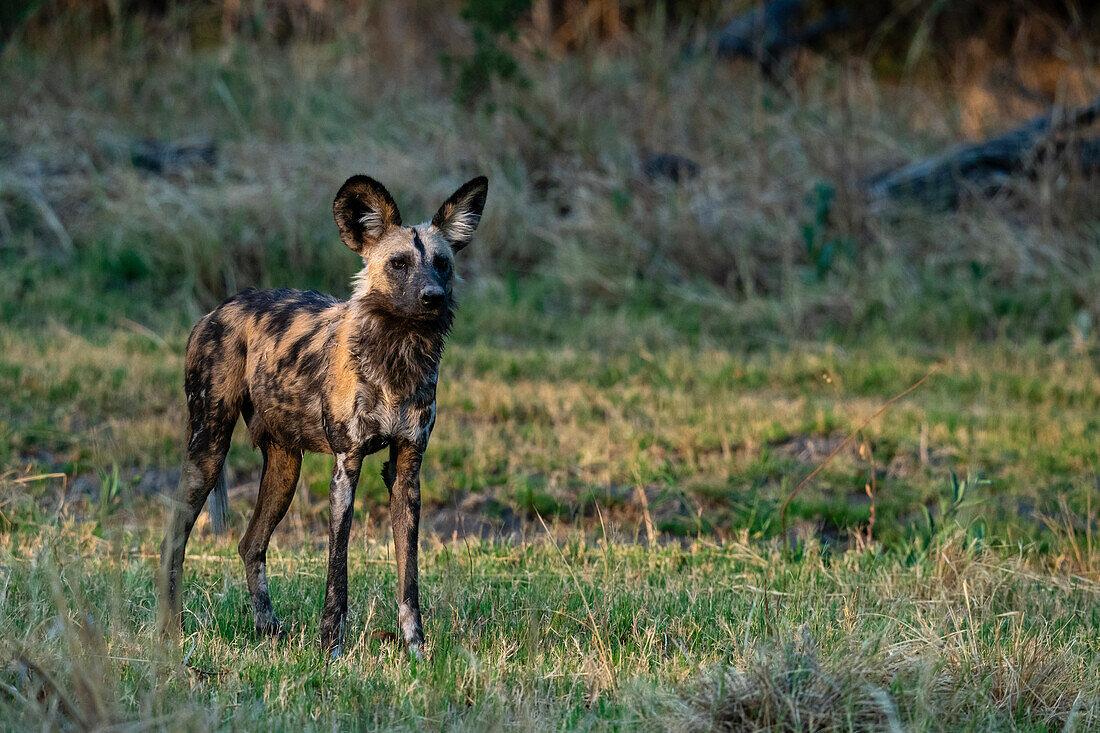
{"x": 409, "y": 271}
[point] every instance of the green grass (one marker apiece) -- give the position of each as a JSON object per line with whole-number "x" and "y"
{"x": 978, "y": 614}
{"x": 577, "y": 636}
{"x": 562, "y": 430}
{"x": 651, "y": 368}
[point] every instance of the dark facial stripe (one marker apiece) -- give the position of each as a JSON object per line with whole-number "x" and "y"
{"x": 418, "y": 244}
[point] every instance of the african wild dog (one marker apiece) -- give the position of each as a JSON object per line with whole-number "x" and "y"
{"x": 312, "y": 373}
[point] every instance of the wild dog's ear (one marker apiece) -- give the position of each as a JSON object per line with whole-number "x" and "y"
{"x": 364, "y": 211}
{"x": 458, "y": 217}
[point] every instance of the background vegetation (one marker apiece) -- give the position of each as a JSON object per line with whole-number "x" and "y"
{"x": 649, "y": 357}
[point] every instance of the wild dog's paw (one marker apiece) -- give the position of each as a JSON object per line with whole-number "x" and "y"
{"x": 332, "y": 637}
{"x": 331, "y": 650}
{"x": 168, "y": 631}
{"x": 416, "y": 651}
{"x": 271, "y": 627}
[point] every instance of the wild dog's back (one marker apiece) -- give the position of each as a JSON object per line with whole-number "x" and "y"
{"x": 261, "y": 349}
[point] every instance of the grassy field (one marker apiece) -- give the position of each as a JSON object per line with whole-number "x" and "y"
{"x": 581, "y": 635}
{"x": 642, "y": 372}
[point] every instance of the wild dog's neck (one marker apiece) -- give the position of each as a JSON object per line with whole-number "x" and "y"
{"x": 399, "y": 354}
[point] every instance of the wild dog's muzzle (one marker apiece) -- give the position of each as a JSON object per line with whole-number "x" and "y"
{"x": 432, "y": 297}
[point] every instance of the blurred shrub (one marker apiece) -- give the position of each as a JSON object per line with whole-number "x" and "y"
{"x": 771, "y": 235}
{"x": 491, "y": 22}
{"x": 893, "y": 35}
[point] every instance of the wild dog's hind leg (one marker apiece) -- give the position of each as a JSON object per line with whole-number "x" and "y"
{"x": 277, "y": 483}
{"x": 213, "y": 381}
{"x": 203, "y": 465}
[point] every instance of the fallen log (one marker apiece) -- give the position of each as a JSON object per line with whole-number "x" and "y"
{"x": 987, "y": 166}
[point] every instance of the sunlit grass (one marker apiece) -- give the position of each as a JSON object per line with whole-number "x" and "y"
{"x": 584, "y": 635}
{"x": 715, "y": 438}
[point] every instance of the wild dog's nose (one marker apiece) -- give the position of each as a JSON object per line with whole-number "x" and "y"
{"x": 432, "y": 296}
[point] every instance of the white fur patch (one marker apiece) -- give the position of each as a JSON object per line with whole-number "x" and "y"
{"x": 341, "y": 484}
{"x": 460, "y": 226}
{"x": 395, "y": 418}
{"x": 360, "y": 283}
{"x": 373, "y": 225}
{"x": 409, "y": 626}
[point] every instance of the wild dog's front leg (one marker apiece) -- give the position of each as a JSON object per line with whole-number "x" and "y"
{"x": 345, "y": 476}
{"x": 403, "y": 476}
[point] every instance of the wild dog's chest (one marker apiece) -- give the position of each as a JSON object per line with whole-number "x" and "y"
{"x": 388, "y": 415}
{"x": 379, "y": 390}
{"x": 378, "y": 415}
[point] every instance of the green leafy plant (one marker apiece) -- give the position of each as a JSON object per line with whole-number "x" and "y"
{"x": 823, "y": 250}
{"x": 110, "y": 498}
{"x": 952, "y": 514}
{"x": 492, "y": 23}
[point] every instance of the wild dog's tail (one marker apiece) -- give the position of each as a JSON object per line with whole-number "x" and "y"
{"x": 218, "y": 504}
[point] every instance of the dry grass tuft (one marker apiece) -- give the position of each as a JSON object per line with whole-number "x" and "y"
{"x": 787, "y": 692}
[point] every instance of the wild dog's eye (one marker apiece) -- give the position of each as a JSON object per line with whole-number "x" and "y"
{"x": 398, "y": 263}
{"x": 441, "y": 263}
